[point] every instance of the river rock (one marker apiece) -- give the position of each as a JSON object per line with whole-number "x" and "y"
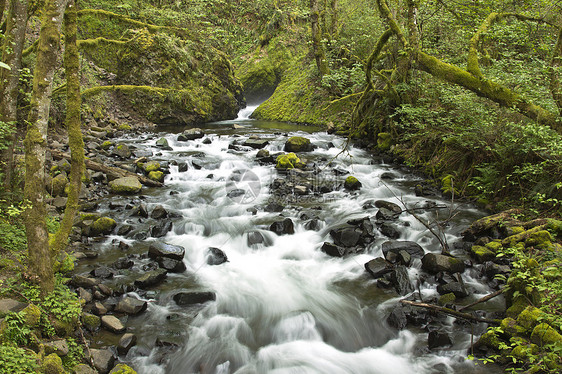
{"x": 125, "y": 185}
{"x": 256, "y": 238}
{"x": 397, "y": 318}
{"x": 157, "y": 249}
{"x": 333, "y": 250}
{"x": 102, "y": 272}
{"x": 191, "y": 134}
{"x": 379, "y": 267}
{"x": 313, "y": 225}
{"x": 161, "y": 229}
{"x": 298, "y": 144}
{"x": 395, "y": 246}
{"x": 283, "y": 227}
{"x": 126, "y": 342}
{"x": 123, "y": 263}
{"x": 387, "y": 229}
{"x": 351, "y": 183}
{"x": 130, "y": 305}
{"x": 151, "y": 278}
{"x": 163, "y": 144}
{"x": 190, "y": 298}
{"x": 173, "y": 266}
{"x": 59, "y": 347}
{"x": 435, "y": 263}
{"x": 216, "y": 256}
{"x": 124, "y": 229}
{"x": 454, "y": 287}
{"x": 182, "y": 167}
{"x": 82, "y": 281}
{"x": 394, "y": 208}
{"x": 274, "y": 207}
{"x": 438, "y": 339}
{"x": 58, "y": 185}
{"x": 102, "y": 226}
{"x": 10, "y": 305}
{"x": 103, "y": 360}
{"x": 112, "y": 324}
{"x": 346, "y": 237}
{"x": 386, "y": 215}
{"x": 139, "y": 211}
{"x": 401, "y": 281}
{"x": 256, "y": 143}
{"x": 122, "y": 151}
{"x": 159, "y": 212}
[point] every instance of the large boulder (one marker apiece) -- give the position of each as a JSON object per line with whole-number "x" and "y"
{"x": 194, "y": 297}
{"x": 125, "y": 185}
{"x": 103, "y": 360}
{"x": 379, "y": 267}
{"x": 130, "y": 305}
{"x": 283, "y": 227}
{"x": 216, "y": 256}
{"x": 435, "y": 263}
{"x": 351, "y": 183}
{"x": 412, "y": 248}
{"x": 298, "y": 144}
{"x": 191, "y": 134}
{"x": 346, "y": 236}
{"x": 151, "y": 278}
{"x": 102, "y": 226}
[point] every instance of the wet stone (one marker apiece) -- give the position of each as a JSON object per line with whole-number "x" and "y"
{"x": 161, "y": 229}
{"x": 401, "y": 280}
{"x": 103, "y": 360}
{"x": 379, "y": 267}
{"x": 126, "y": 342}
{"x": 333, "y": 250}
{"x": 151, "y": 278}
{"x": 283, "y": 227}
{"x": 131, "y": 305}
{"x": 438, "y": 339}
{"x": 190, "y": 298}
{"x": 347, "y": 237}
{"x": 414, "y": 249}
{"x": 173, "y": 266}
{"x": 175, "y": 252}
{"x": 112, "y": 324}
{"x": 216, "y": 256}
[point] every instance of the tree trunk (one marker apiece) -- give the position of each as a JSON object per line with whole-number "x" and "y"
{"x": 317, "y": 47}
{"x": 36, "y": 144}
{"x": 2, "y": 6}
{"x": 76, "y": 143}
{"x": 556, "y": 72}
{"x": 14, "y": 38}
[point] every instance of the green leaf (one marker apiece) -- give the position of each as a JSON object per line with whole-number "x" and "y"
{"x": 5, "y": 66}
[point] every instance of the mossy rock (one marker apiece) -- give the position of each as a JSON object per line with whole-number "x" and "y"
{"x": 446, "y": 299}
{"x": 543, "y": 334}
{"x": 540, "y": 239}
{"x": 510, "y": 327}
{"x": 298, "y": 144}
{"x": 482, "y": 254}
{"x": 58, "y": 185}
{"x": 351, "y": 183}
{"x": 490, "y": 340}
{"x": 124, "y": 127}
{"x": 52, "y": 364}
{"x": 125, "y": 185}
{"x": 384, "y": 141}
{"x": 63, "y": 328}
{"x": 523, "y": 351}
{"x": 529, "y": 318}
{"x": 32, "y": 315}
{"x": 106, "y": 145}
{"x": 494, "y": 246}
{"x": 64, "y": 263}
{"x": 156, "y": 176}
{"x": 122, "y": 369}
{"x": 149, "y": 166}
{"x": 517, "y": 306}
{"x": 162, "y": 143}
{"x": 287, "y": 161}
{"x": 91, "y": 321}
{"x": 102, "y": 226}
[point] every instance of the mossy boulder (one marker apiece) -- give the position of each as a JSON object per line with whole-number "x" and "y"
{"x": 489, "y": 340}
{"x": 58, "y": 185}
{"x": 543, "y": 334}
{"x": 518, "y": 305}
{"x": 510, "y": 327}
{"x": 529, "y": 318}
{"x": 446, "y": 299}
{"x": 64, "y": 263}
{"x": 540, "y": 239}
{"x": 102, "y": 226}
{"x": 106, "y": 145}
{"x": 122, "y": 151}
{"x": 298, "y": 144}
{"x": 122, "y": 369}
{"x": 494, "y": 246}
{"x": 149, "y": 166}
{"x": 125, "y": 185}
{"x": 384, "y": 141}
{"x": 555, "y": 226}
{"x": 351, "y": 183}
{"x": 31, "y": 315}
{"x": 52, "y": 364}
{"x": 124, "y": 127}
{"x": 482, "y": 254}
{"x": 156, "y": 175}
{"x": 435, "y": 263}
{"x": 287, "y": 161}
{"x": 523, "y": 351}
{"x": 91, "y": 321}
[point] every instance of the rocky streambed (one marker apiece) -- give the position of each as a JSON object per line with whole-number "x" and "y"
{"x": 253, "y": 248}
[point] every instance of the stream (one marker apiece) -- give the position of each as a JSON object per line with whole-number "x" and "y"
{"x": 281, "y": 304}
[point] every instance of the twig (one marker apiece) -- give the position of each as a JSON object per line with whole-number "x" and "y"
{"x": 452, "y": 312}
{"x": 483, "y": 299}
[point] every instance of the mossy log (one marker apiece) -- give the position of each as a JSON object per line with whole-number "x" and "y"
{"x": 451, "y": 312}
{"x": 112, "y": 172}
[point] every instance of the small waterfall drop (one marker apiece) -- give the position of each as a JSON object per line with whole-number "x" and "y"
{"x": 245, "y": 113}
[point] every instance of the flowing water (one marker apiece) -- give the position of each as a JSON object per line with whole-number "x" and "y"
{"x": 282, "y": 306}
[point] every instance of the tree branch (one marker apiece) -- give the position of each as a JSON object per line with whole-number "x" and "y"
{"x": 451, "y": 312}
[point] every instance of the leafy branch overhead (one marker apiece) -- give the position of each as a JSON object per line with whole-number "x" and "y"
{"x": 414, "y": 57}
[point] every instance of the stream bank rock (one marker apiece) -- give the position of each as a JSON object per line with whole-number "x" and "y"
{"x": 298, "y": 144}
{"x": 125, "y": 185}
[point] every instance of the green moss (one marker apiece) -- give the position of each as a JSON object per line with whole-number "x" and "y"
{"x": 448, "y": 298}
{"x": 482, "y": 254}
{"x": 529, "y": 318}
{"x": 64, "y": 263}
{"x": 91, "y": 321}
{"x": 52, "y": 364}
{"x": 555, "y": 226}
{"x": 103, "y": 226}
{"x": 517, "y": 306}
{"x": 540, "y": 239}
{"x": 156, "y": 176}
{"x": 523, "y": 351}
{"x": 122, "y": 369}
{"x": 298, "y": 144}
{"x": 124, "y": 127}
{"x": 510, "y": 328}
{"x": 287, "y": 161}
{"x": 489, "y": 339}
{"x": 32, "y": 315}
{"x": 384, "y": 141}
{"x": 106, "y": 145}
{"x": 149, "y": 166}
{"x": 126, "y": 185}
{"x": 351, "y": 183}
{"x": 543, "y": 334}
{"x": 494, "y": 246}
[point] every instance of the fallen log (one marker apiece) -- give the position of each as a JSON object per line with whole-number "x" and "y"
{"x": 482, "y": 299}
{"x": 451, "y": 312}
{"x": 111, "y": 171}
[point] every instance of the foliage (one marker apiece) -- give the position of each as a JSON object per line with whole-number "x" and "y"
{"x": 16, "y": 360}
{"x": 74, "y": 356}
{"x": 17, "y": 331}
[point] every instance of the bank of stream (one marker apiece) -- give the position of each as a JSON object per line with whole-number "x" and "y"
{"x": 265, "y": 271}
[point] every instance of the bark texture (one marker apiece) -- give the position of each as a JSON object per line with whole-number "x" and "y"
{"x": 36, "y": 144}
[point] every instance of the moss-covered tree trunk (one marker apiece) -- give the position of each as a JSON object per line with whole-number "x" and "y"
{"x": 36, "y": 144}
{"x": 14, "y": 38}
{"x": 556, "y": 72}
{"x": 73, "y": 121}
{"x": 317, "y": 48}
{"x": 2, "y": 6}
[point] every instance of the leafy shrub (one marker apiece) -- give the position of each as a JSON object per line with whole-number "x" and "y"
{"x": 15, "y": 360}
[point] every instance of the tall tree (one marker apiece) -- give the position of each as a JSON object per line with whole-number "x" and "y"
{"x": 317, "y": 47}
{"x": 14, "y": 38}
{"x": 36, "y": 143}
